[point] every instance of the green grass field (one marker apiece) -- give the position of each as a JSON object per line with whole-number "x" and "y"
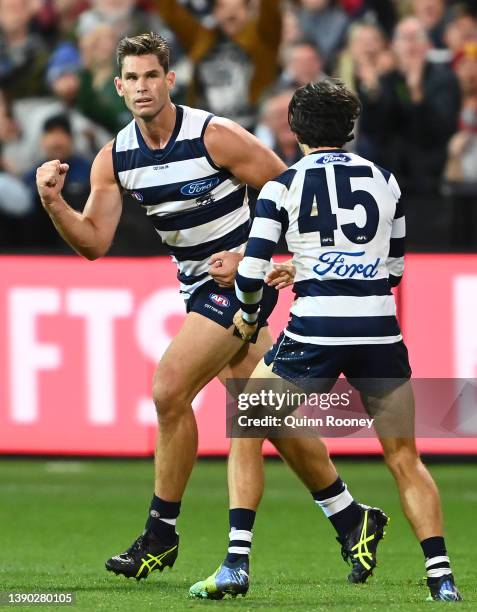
{"x": 61, "y": 520}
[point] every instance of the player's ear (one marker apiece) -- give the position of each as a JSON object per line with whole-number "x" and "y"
{"x": 170, "y": 79}
{"x": 119, "y": 86}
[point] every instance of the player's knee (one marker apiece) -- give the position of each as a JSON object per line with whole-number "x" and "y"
{"x": 168, "y": 398}
{"x": 402, "y": 461}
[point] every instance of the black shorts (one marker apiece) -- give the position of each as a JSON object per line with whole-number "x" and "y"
{"x": 220, "y": 304}
{"x": 367, "y": 367}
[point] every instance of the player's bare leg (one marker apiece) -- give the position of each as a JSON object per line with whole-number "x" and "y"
{"x": 200, "y": 350}
{"x": 394, "y": 423}
{"x": 308, "y": 457}
{"x": 179, "y": 377}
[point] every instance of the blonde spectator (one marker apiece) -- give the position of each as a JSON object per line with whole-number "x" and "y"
{"x": 366, "y": 58}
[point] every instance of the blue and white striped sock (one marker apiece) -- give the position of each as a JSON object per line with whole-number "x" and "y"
{"x": 240, "y": 535}
{"x": 339, "y": 506}
{"x": 437, "y": 562}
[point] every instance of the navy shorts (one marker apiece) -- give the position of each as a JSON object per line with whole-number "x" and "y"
{"x": 367, "y": 367}
{"x": 220, "y": 304}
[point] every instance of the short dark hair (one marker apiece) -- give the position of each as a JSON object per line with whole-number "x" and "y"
{"x": 323, "y": 114}
{"x": 57, "y": 122}
{"x": 144, "y": 44}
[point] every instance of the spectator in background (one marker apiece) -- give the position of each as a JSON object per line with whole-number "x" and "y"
{"x": 97, "y": 97}
{"x": 125, "y": 16}
{"x": 461, "y": 28}
{"x": 9, "y": 131}
{"x": 15, "y": 205}
{"x": 234, "y": 62}
{"x": 462, "y": 160}
{"x": 62, "y": 73}
{"x": 366, "y": 58}
{"x": 303, "y": 63}
{"x": 432, "y": 16}
{"x": 56, "y": 143}
{"x": 56, "y": 20}
{"x": 21, "y": 121}
{"x": 274, "y": 129}
{"x": 23, "y": 55}
{"x": 324, "y": 22}
{"x": 291, "y": 31}
{"x": 382, "y": 13}
{"x": 410, "y": 113}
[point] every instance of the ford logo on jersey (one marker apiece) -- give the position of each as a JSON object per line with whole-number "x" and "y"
{"x": 339, "y": 263}
{"x": 330, "y": 158}
{"x": 220, "y": 300}
{"x": 198, "y": 187}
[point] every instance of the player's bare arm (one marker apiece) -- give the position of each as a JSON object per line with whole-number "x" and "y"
{"x": 91, "y": 232}
{"x": 232, "y": 147}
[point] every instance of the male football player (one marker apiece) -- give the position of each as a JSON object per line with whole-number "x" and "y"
{"x": 189, "y": 170}
{"x": 345, "y": 225}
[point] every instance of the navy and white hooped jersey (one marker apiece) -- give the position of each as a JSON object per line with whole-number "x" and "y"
{"x": 196, "y": 207}
{"x": 345, "y": 227}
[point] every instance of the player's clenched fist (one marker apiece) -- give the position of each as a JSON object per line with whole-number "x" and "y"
{"x": 50, "y": 178}
{"x": 246, "y": 330}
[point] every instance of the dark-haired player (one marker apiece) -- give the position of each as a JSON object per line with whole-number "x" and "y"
{"x": 189, "y": 169}
{"x": 345, "y": 226}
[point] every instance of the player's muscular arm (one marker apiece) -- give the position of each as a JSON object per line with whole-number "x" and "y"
{"x": 91, "y": 232}
{"x": 232, "y": 147}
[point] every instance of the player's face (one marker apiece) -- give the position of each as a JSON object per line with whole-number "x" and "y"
{"x": 144, "y": 85}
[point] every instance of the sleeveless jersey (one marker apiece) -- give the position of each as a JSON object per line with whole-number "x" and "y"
{"x": 345, "y": 226}
{"x": 196, "y": 207}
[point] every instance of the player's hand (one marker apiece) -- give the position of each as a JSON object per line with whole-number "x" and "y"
{"x": 281, "y": 276}
{"x": 50, "y": 178}
{"x": 223, "y": 267}
{"x": 246, "y": 330}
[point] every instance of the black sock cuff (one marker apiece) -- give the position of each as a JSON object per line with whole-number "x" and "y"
{"x": 434, "y": 547}
{"x": 241, "y": 518}
{"x": 166, "y": 509}
{"x": 332, "y": 491}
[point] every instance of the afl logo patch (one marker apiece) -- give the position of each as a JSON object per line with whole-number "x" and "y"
{"x": 198, "y": 187}
{"x": 330, "y": 158}
{"x": 137, "y": 196}
{"x": 220, "y": 300}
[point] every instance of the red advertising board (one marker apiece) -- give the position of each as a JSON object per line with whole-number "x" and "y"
{"x": 79, "y": 342}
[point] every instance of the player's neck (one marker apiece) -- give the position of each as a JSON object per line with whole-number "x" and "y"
{"x": 307, "y": 150}
{"x": 158, "y": 131}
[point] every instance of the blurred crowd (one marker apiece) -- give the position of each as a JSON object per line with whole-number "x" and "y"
{"x": 413, "y": 64}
